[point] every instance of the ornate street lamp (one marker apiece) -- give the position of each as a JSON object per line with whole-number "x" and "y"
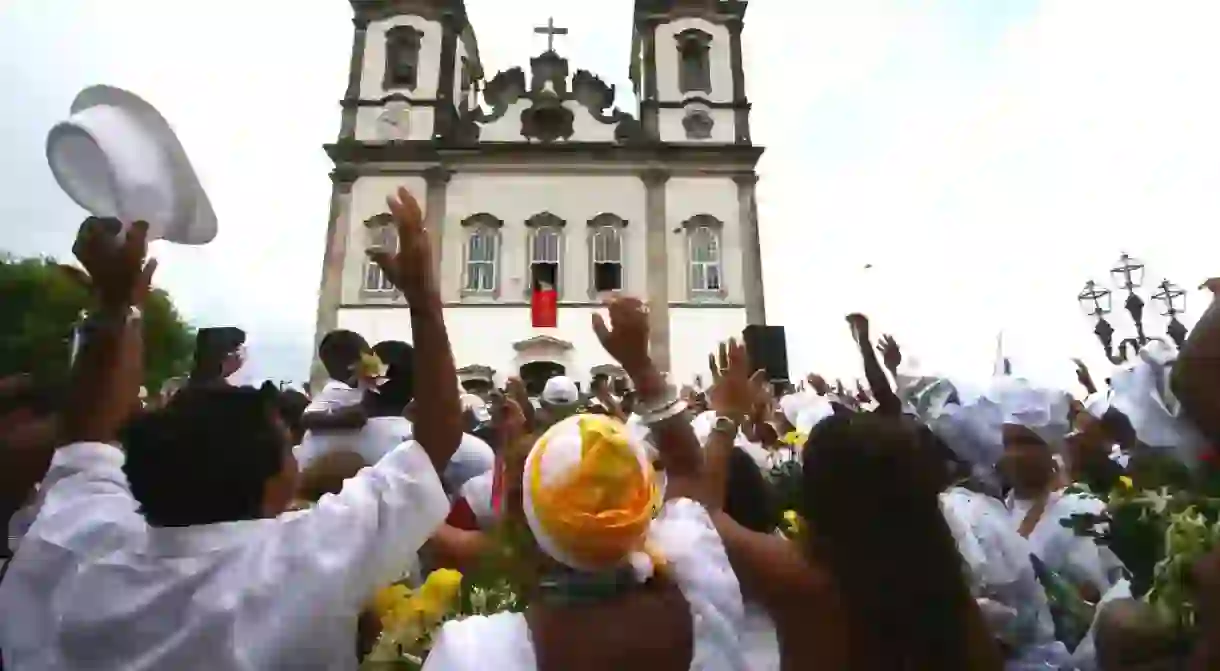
{"x": 1128, "y": 275}
{"x": 1096, "y": 303}
{"x": 1170, "y": 292}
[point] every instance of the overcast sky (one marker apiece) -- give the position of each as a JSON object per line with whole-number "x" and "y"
{"x": 986, "y": 157}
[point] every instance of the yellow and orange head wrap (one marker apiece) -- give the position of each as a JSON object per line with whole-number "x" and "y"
{"x": 590, "y": 494}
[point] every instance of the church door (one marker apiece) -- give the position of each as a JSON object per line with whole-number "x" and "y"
{"x": 536, "y": 373}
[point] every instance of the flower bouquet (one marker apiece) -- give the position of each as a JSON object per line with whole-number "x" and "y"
{"x": 1159, "y": 524}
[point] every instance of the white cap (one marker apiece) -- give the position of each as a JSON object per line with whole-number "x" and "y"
{"x": 560, "y": 390}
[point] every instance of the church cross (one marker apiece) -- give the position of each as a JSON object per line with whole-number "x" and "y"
{"x": 550, "y": 31}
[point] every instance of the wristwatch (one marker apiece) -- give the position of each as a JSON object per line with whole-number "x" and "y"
{"x": 724, "y": 425}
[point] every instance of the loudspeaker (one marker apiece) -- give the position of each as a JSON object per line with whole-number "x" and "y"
{"x": 768, "y": 349}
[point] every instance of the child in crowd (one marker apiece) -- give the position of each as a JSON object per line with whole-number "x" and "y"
{"x": 335, "y": 414}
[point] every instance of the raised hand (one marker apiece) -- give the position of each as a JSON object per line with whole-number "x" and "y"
{"x": 818, "y": 384}
{"x": 891, "y": 355}
{"x": 410, "y": 267}
{"x": 734, "y": 390}
{"x": 859, "y": 327}
{"x": 626, "y": 336}
{"x": 119, "y": 274}
{"x": 1083, "y": 376}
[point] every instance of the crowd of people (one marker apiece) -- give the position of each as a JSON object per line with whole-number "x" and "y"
{"x": 915, "y": 524}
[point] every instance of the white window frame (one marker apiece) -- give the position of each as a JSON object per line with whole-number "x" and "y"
{"x": 549, "y": 225}
{"x": 380, "y": 234}
{"x": 484, "y": 227}
{"x": 606, "y": 232}
{"x": 702, "y": 258}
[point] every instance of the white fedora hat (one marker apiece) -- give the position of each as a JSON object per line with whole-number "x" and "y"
{"x": 116, "y": 156}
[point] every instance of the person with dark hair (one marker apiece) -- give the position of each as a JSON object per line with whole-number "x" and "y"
{"x": 336, "y": 412}
{"x": 174, "y": 552}
{"x": 29, "y": 431}
{"x": 230, "y": 449}
{"x": 219, "y": 354}
{"x": 875, "y": 581}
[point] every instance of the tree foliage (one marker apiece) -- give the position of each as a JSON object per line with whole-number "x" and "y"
{"x": 40, "y": 305}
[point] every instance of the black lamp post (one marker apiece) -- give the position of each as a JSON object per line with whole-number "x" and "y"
{"x": 1170, "y": 292}
{"x": 1128, "y": 275}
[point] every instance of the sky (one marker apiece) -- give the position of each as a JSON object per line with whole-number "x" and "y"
{"x": 952, "y": 168}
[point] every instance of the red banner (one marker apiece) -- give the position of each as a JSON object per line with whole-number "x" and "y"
{"x": 544, "y": 308}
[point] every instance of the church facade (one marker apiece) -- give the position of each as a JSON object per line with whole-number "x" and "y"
{"x": 531, "y": 177}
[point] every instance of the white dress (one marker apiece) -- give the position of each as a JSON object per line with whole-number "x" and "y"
{"x": 695, "y": 558}
{"x": 1003, "y": 579}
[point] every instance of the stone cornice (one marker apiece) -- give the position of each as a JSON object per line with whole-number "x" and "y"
{"x": 399, "y": 303}
{"x": 353, "y": 155}
{"x": 741, "y": 104}
{"x": 367, "y": 11}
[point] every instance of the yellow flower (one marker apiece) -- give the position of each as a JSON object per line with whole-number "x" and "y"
{"x": 794, "y": 439}
{"x": 389, "y": 598}
{"x": 440, "y": 591}
{"x": 370, "y": 366}
{"x": 1126, "y": 482}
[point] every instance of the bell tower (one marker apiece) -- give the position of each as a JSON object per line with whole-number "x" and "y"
{"x": 413, "y": 66}
{"x": 687, "y": 71}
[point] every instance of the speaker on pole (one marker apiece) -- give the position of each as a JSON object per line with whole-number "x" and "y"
{"x": 768, "y": 349}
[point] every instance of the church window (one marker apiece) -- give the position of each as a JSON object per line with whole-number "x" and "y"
{"x": 606, "y": 253}
{"x": 381, "y": 235}
{"x": 694, "y": 63}
{"x": 482, "y": 254}
{"x": 704, "y": 255}
{"x": 545, "y": 252}
{"x": 545, "y": 245}
{"x": 402, "y": 57}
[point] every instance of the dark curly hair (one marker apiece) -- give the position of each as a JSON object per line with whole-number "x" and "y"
{"x": 206, "y": 457}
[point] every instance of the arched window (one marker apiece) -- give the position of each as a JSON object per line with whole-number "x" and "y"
{"x": 694, "y": 66}
{"x": 704, "y": 255}
{"x": 606, "y": 254}
{"x": 402, "y": 57}
{"x": 380, "y": 234}
{"x": 482, "y": 255}
{"x": 545, "y": 252}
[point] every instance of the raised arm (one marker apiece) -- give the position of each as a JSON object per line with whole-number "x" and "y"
{"x": 626, "y": 339}
{"x": 886, "y": 399}
{"x": 438, "y": 416}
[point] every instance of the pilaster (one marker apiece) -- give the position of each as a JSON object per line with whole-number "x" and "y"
{"x": 751, "y": 249}
{"x": 330, "y": 292}
{"x": 347, "y": 127}
{"x": 657, "y": 264}
{"x": 435, "y": 207}
{"x": 741, "y": 107}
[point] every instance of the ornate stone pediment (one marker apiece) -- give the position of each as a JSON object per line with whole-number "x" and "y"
{"x": 542, "y": 342}
{"x": 551, "y": 108}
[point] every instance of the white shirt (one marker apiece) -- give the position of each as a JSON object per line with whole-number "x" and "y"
{"x": 1075, "y": 557}
{"x": 94, "y": 587}
{"x": 333, "y": 397}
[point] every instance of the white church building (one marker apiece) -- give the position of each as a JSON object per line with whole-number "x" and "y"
{"x": 532, "y": 176}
